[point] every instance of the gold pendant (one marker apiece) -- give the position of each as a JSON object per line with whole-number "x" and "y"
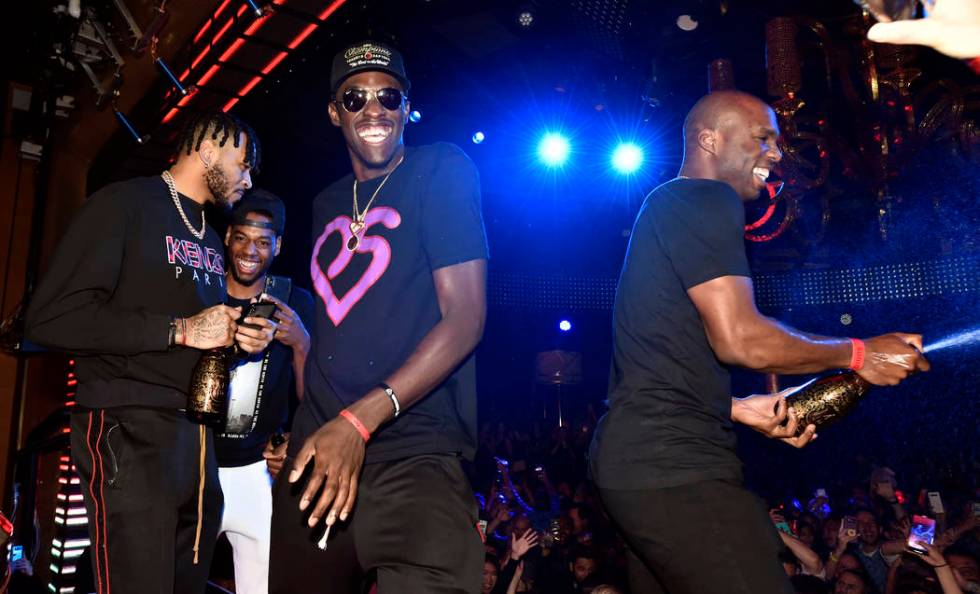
{"x": 355, "y": 227}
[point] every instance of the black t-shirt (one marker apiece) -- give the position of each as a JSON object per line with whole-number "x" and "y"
{"x": 374, "y": 306}
{"x": 126, "y": 265}
{"x": 669, "y": 421}
{"x": 262, "y": 387}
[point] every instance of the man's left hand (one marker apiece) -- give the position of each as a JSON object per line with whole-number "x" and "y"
{"x": 291, "y": 331}
{"x": 255, "y": 340}
{"x": 770, "y": 415}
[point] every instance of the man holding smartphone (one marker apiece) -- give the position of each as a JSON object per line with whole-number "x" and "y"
{"x": 136, "y": 289}
{"x": 262, "y": 386}
{"x": 399, "y": 265}
{"x": 664, "y": 456}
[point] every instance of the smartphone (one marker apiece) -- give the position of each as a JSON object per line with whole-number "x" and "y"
{"x": 16, "y": 553}
{"x": 935, "y": 502}
{"x": 279, "y": 287}
{"x": 261, "y": 309}
{"x": 923, "y": 532}
{"x": 850, "y": 525}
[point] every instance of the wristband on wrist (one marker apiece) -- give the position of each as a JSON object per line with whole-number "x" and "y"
{"x": 857, "y": 354}
{"x": 393, "y": 397}
{"x": 172, "y": 333}
{"x": 353, "y": 420}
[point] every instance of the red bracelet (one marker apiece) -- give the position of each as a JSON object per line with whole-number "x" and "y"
{"x": 365, "y": 434}
{"x": 974, "y": 64}
{"x": 857, "y": 354}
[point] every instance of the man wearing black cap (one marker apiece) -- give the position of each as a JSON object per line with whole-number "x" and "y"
{"x": 399, "y": 266}
{"x": 261, "y": 386}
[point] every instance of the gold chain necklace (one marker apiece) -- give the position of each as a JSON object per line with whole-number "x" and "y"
{"x": 169, "y": 179}
{"x": 357, "y": 219}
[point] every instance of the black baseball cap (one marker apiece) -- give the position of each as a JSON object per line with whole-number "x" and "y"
{"x": 367, "y": 56}
{"x": 263, "y": 203}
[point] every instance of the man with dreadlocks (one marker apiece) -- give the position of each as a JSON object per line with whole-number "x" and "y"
{"x": 135, "y": 290}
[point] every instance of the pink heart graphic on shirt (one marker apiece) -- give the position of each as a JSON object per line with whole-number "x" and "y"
{"x": 378, "y": 247}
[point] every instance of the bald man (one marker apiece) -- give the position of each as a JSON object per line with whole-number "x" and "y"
{"x": 664, "y": 456}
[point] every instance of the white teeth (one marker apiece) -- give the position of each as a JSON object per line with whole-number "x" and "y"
{"x": 247, "y": 266}
{"x": 374, "y": 133}
{"x": 761, "y": 172}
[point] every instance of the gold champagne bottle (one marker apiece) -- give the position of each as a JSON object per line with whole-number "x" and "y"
{"x": 207, "y": 398}
{"x": 828, "y": 399}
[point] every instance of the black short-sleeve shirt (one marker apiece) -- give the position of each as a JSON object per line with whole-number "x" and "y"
{"x": 375, "y": 305}
{"x": 670, "y": 406}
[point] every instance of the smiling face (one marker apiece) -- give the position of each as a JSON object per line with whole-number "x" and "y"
{"x": 746, "y": 147}
{"x": 867, "y": 527}
{"x": 373, "y": 134}
{"x": 489, "y": 577}
{"x": 251, "y": 250}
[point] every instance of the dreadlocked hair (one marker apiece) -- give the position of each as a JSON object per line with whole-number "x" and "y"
{"x": 219, "y": 127}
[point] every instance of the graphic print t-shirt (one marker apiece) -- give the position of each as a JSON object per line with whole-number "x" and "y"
{"x": 669, "y": 422}
{"x": 260, "y": 394}
{"x": 126, "y": 265}
{"x": 374, "y": 306}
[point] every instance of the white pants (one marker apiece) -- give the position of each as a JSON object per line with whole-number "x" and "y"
{"x": 246, "y": 521}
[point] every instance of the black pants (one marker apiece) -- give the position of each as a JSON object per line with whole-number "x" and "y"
{"x": 413, "y": 526}
{"x": 712, "y": 537}
{"x": 139, "y": 471}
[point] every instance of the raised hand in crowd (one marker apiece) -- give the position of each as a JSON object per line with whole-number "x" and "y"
{"x": 809, "y": 560}
{"x": 515, "y": 581}
{"x": 943, "y": 571}
{"x": 520, "y": 545}
{"x": 845, "y": 536}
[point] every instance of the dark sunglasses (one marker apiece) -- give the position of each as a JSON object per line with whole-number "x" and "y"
{"x": 354, "y": 99}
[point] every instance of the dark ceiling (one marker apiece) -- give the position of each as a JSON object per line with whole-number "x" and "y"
{"x": 599, "y": 70}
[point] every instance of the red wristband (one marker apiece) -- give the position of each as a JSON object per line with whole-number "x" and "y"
{"x": 974, "y": 64}
{"x": 365, "y": 434}
{"x": 857, "y": 354}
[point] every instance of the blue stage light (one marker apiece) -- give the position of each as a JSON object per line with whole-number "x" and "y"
{"x": 564, "y": 325}
{"x": 479, "y": 137}
{"x": 627, "y": 158}
{"x": 553, "y": 149}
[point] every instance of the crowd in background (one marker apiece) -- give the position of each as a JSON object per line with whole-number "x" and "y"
{"x": 546, "y": 531}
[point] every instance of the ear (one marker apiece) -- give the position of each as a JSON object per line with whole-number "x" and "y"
{"x": 228, "y": 237}
{"x": 407, "y": 110}
{"x": 208, "y": 153}
{"x": 708, "y": 141}
{"x": 334, "y": 114}
{"x": 278, "y": 246}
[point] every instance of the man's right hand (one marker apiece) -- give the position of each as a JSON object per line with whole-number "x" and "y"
{"x": 212, "y": 328}
{"x": 275, "y": 456}
{"x": 890, "y": 358}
